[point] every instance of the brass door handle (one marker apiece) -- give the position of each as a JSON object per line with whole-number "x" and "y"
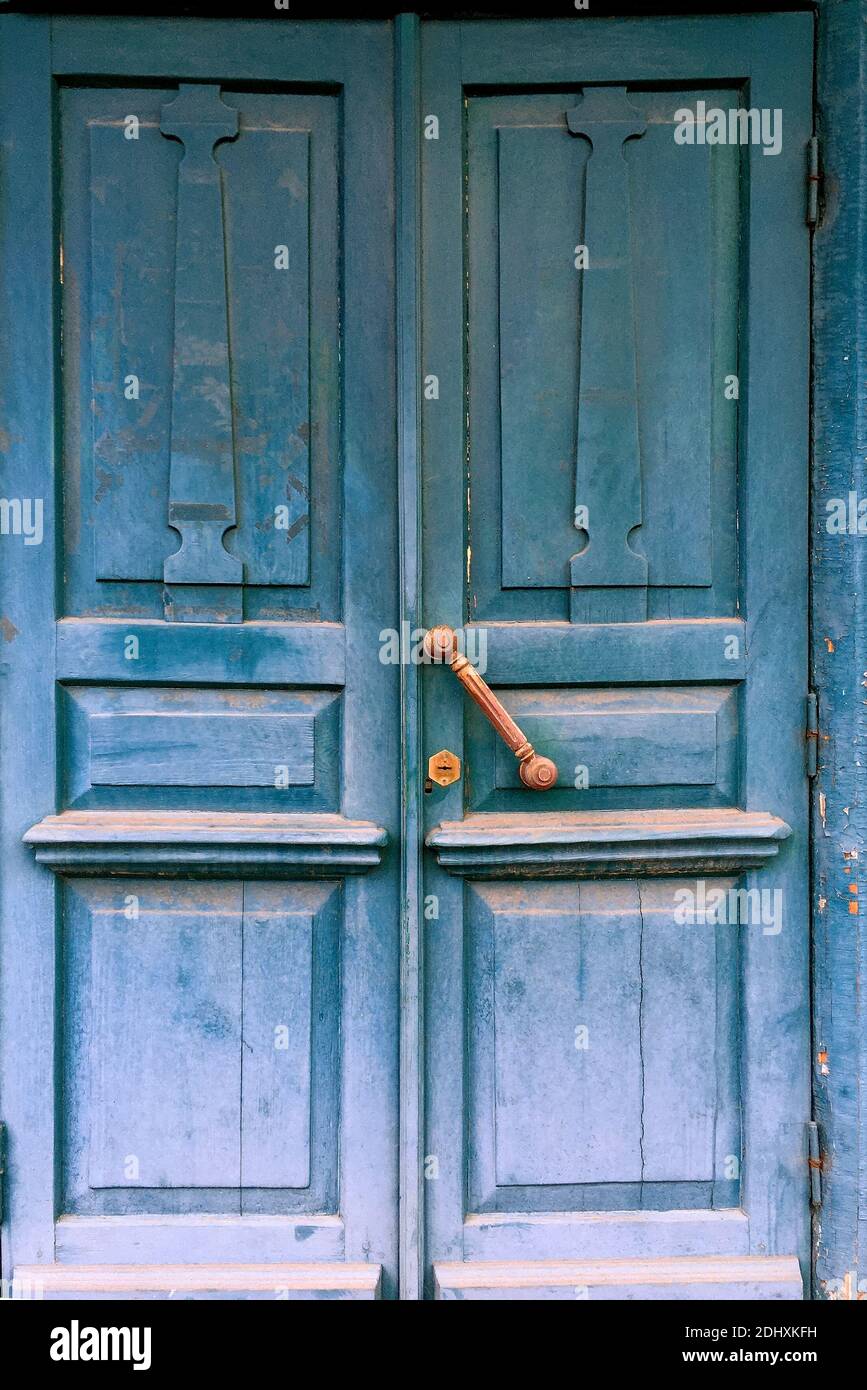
{"x": 441, "y": 644}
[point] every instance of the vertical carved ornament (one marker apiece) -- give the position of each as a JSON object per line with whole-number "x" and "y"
{"x": 202, "y": 579}
{"x": 608, "y": 577}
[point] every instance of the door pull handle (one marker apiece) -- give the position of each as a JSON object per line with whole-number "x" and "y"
{"x": 538, "y": 773}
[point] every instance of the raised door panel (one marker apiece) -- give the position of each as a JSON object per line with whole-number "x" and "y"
{"x": 201, "y": 1054}
{"x": 194, "y": 746}
{"x": 603, "y": 1049}
{"x": 651, "y": 746}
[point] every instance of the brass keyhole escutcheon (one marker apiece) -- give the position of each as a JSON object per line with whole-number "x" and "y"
{"x": 444, "y": 768}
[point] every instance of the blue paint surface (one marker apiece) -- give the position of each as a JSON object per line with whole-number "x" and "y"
{"x": 245, "y": 481}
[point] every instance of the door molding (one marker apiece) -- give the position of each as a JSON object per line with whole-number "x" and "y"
{"x": 407, "y": 57}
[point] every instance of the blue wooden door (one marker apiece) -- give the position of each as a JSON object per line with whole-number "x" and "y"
{"x": 200, "y": 953}
{"x": 201, "y": 742}
{"x": 615, "y": 450}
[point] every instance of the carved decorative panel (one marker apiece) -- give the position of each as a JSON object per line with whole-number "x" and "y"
{"x": 600, "y": 466}
{"x": 201, "y": 264}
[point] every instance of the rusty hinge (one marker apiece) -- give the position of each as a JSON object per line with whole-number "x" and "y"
{"x": 811, "y": 734}
{"x": 815, "y": 1163}
{"x": 814, "y": 178}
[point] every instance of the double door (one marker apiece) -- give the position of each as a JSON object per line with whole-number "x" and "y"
{"x": 282, "y": 1015}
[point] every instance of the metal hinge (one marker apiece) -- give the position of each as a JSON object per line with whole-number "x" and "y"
{"x": 815, "y": 1163}
{"x": 2, "y": 1165}
{"x": 813, "y": 180}
{"x": 811, "y": 734}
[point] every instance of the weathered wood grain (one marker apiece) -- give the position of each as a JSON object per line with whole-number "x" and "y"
{"x": 512, "y": 843}
{"x": 218, "y": 842}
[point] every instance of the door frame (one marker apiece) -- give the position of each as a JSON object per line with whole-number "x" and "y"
{"x": 839, "y": 645}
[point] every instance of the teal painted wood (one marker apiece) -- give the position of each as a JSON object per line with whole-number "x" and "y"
{"x": 730, "y": 296}
{"x": 27, "y": 729}
{"x": 319, "y": 631}
{"x": 608, "y": 463}
{"x": 129, "y": 750}
{"x": 614, "y": 653}
{"x": 539, "y": 179}
{"x": 249, "y": 1127}
{"x": 229, "y": 1044}
{"x": 217, "y": 1238}
{"x": 175, "y": 743}
{"x": 181, "y": 993}
{"x": 224, "y": 655}
{"x": 689, "y": 743}
{"x": 282, "y": 303}
{"x": 202, "y": 467}
{"x": 614, "y": 957}
{"x": 581, "y": 843}
{"x": 173, "y": 843}
{"x": 673, "y": 747}
{"x": 290, "y": 942}
{"x": 643, "y": 1233}
{"x": 443, "y": 570}
{"x": 775, "y": 442}
{"x": 529, "y": 174}
{"x": 839, "y": 644}
{"x": 369, "y": 1160}
{"x": 407, "y": 152}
